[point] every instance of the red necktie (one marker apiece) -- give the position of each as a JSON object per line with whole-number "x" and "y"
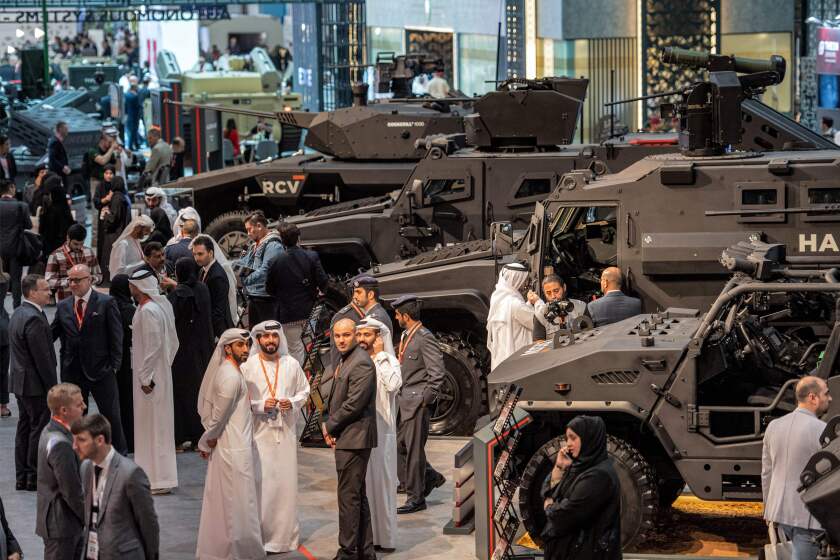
{"x": 80, "y": 311}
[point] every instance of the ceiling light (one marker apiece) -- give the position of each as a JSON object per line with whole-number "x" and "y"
{"x": 38, "y": 32}
{"x": 19, "y": 33}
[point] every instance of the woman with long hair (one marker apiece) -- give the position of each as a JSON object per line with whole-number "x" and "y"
{"x": 583, "y": 497}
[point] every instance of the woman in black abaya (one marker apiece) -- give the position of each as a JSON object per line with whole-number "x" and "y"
{"x": 122, "y": 295}
{"x": 191, "y": 303}
{"x": 582, "y": 497}
{"x": 163, "y": 231}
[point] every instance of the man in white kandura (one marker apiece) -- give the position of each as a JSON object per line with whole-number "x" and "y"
{"x": 510, "y": 320}
{"x": 229, "y": 528}
{"x": 381, "y": 481}
{"x": 127, "y": 251}
{"x": 278, "y": 389}
{"x": 154, "y": 345}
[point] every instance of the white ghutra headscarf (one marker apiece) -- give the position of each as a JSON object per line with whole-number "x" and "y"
{"x": 206, "y": 392}
{"x": 116, "y": 264}
{"x": 504, "y": 334}
{"x": 184, "y": 214}
{"x": 264, "y": 327}
{"x": 384, "y": 332}
{"x": 147, "y": 282}
{"x": 157, "y": 192}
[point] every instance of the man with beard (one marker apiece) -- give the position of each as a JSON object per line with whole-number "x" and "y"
{"x": 264, "y": 248}
{"x": 421, "y": 363}
{"x": 278, "y": 389}
{"x": 230, "y": 521}
{"x": 365, "y": 303}
{"x": 375, "y": 338}
{"x": 510, "y": 320}
{"x": 350, "y": 429}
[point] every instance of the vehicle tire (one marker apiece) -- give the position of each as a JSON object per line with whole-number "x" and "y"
{"x": 229, "y": 232}
{"x": 459, "y": 403}
{"x": 337, "y": 294}
{"x": 639, "y": 500}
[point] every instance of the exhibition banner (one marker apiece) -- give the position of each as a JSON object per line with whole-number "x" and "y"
{"x": 828, "y": 50}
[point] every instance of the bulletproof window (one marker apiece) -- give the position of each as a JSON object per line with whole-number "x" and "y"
{"x": 755, "y": 197}
{"x": 435, "y": 190}
{"x": 820, "y": 197}
{"x": 759, "y": 197}
{"x": 533, "y": 187}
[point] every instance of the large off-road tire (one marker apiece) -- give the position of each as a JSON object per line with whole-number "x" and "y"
{"x": 639, "y": 500}
{"x": 458, "y": 405}
{"x": 229, "y": 232}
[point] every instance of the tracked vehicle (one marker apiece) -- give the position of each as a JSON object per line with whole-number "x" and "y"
{"x": 664, "y": 220}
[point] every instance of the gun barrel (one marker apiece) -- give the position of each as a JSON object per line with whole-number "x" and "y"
{"x": 700, "y": 59}
{"x": 299, "y": 119}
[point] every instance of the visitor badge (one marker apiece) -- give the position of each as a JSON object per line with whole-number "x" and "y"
{"x": 92, "y": 546}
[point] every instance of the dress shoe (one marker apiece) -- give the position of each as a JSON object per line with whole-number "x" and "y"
{"x": 437, "y": 482}
{"x": 20, "y": 485}
{"x": 383, "y": 549}
{"x": 411, "y": 507}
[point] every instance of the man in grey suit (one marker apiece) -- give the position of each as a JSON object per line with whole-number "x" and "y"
{"x": 32, "y": 373}
{"x": 120, "y": 518}
{"x": 60, "y": 513}
{"x": 789, "y": 443}
{"x": 613, "y": 306}
{"x": 350, "y": 429}
{"x": 421, "y": 363}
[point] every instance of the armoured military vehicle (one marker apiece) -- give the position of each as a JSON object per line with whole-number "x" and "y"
{"x": 664, "y": 220}
{"x": 354, "y": 152}
{"x": 686, "y": 396}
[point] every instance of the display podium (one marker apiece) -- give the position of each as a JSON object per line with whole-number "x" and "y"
{"x": 496, "y": 479}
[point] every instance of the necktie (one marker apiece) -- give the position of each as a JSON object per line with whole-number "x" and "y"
{"x": 204, "y": 276}
{"x": 80, "y": 311}
{"x": 97, "y": 471}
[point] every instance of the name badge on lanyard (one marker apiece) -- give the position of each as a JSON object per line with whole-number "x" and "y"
{"x": 93, "y": 540}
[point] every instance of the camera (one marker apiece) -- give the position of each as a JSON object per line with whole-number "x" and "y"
{"x": 559, "y": 309}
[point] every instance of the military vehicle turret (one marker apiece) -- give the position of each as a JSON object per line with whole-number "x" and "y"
{"x": 353, "y": 152}
{"x": 664, "y": 220}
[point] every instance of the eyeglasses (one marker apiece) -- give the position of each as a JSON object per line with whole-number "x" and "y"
{"x": 77, "y": 280}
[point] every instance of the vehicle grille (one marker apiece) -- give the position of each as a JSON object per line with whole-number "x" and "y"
{"x": 616, "y": 377}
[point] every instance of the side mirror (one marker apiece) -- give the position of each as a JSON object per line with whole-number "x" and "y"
{"x": 415, "y": 192}
{"x": 501, "y": 237}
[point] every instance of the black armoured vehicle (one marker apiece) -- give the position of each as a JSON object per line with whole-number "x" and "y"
{"x": 354, "y": 152}
{"x": 663, "y": 220}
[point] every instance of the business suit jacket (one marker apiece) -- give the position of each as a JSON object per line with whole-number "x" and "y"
{"x": 12, "y": 164}
{"x": 61, "y": 507}
{"x": 218, "y": 284}
{"x": 128, "y": 525}
{"x": 612, "y": 308}
{"x": 32, "y": 367}
{"x": 98, "y": 346}
{"x": 57, "y": 156}
{"x": 14, "y": 218}
{"x": 422, "y": 373}
{"x": 8, "y": 543}
{"x": 352, "y": 405}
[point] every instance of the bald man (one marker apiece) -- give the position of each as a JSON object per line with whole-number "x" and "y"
{"x": 789, "y": 443}
{"x": 350, "y": 429}
{"x": 91, "y": 332}
{"x": 613, "y": 306}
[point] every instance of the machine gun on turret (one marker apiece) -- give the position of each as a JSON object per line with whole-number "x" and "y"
{"x": 710, "y": 111}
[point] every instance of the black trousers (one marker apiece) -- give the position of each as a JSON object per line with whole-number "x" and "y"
{"x": 413, "y": 470}
{"x": 5, "y": 353}
{"x": 13, "y": 267}
{"x": 355, "y": 534}
{"x": 34, "y": 415}
{"x": 63, "y": 549}
{"x": 261, "y": 309}
{"x": 107, "y": 397}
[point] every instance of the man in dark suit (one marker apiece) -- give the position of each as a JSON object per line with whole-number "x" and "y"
{"x": 60, "y": 515}
{"x": 8, "y": 166}
{"x": 57, "y": 160}
{"x": 124, "y": 521}
{"x": 14, "y": 218}
{"x": 350, "y": 429}
{"x": 216, "y": 279}
{"x": 613, "y": 306}
{"x": 32, "y": 372}
{"x": 9, "y": 547}
{"x": 90, "y": 328}
{"x": 421, "y": 364}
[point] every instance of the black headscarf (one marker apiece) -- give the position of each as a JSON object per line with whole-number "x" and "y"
{"x": 161, "y": 220}
{"x": 122, "y": 294}
{"x": 118, "y": 184}
{"x": 593, "y": 447}
{"x": 186, "y": 271}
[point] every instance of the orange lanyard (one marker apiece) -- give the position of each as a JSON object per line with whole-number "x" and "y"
{"x": 67, "y": 255}
{"x": 358, "y": 310}
{"x": 407, "y": 339}
{"x": 62, "y": 422}
{"x": 271, "y": 390}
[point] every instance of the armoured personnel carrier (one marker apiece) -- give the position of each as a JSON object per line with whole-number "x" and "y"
{"x": 686, "y": 396}
{"x": 354, "y": 152}
{"x": 664, "y": 220}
